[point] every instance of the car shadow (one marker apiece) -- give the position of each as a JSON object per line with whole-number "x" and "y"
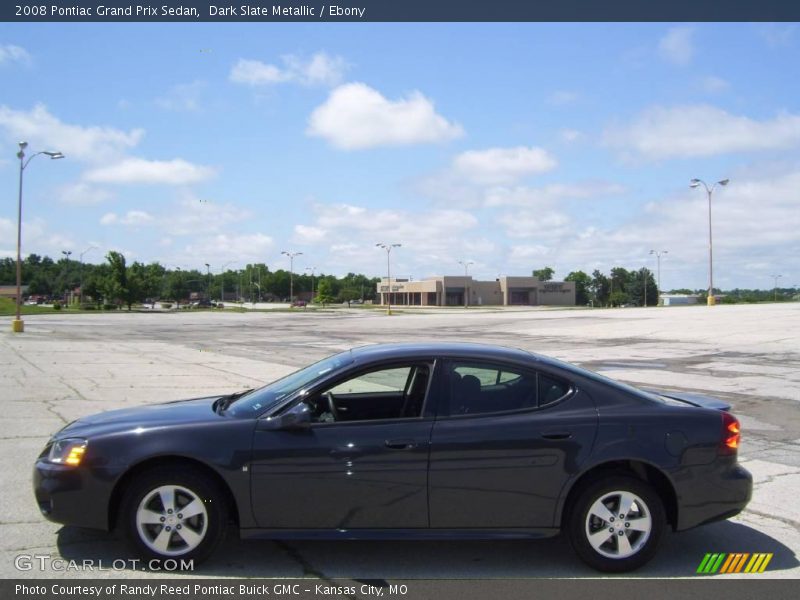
{"x": 679, "y": 556}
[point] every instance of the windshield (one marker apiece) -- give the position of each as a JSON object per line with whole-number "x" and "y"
{"x": 257, "y": 401}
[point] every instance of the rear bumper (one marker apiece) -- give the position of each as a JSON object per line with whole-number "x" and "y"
{"x": 712, "y": 494}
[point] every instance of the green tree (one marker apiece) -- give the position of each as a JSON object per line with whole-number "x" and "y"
{"x": 325, "y": 292}
{"x": 582, "y": 285}
{"x": 638, "y": 282}
{"x": 600, "y": 288}
{"x": 348, "y": 294}
{"x": 115, "y": 284}
{"x": 544, "y": 274}
{"x": 619, "y": 286}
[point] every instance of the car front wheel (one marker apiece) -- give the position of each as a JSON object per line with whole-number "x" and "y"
{"x": 616, "y": 524}
{"x": 174, "y": 513}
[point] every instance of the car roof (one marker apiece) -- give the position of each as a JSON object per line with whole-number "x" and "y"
{"x": 375, "y": 352}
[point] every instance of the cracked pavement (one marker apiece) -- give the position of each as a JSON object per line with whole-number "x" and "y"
{"x": 67, "y": 366}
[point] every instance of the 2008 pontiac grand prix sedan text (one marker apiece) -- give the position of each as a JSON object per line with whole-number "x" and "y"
{"x": 405, "y": 441}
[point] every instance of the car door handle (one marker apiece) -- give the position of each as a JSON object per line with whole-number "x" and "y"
{"x": 401, "y": 444}
{"x": 557, "y": 435}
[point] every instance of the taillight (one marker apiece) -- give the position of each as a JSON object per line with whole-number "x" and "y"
{"x": 730, "y": 434}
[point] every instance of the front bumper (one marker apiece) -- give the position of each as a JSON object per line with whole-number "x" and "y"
{"x": 72, "y": 495}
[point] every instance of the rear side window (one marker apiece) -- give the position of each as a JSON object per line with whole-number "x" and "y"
{"x": 481, "y": 388}
{"x": 551, "y": 390}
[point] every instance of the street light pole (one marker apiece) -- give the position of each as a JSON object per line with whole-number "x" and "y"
{"x": 291, "y": 256}
{"x": 80, "y": 295}
{"x": 17, "y": 325}
{"x": 67, "y": 254}
{"x": 466, "y": 264}
{"x": 776, "y": 277}
{"x": 222, "y": 280}
{"x": 208, "y": 281}
{"x": 312, "y": 269}
{"x": 388, "y": 248}
{"x": 710, "y": 300}
{"x": 659, "y": 254}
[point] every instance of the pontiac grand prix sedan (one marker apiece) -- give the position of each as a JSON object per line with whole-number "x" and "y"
{"x": 411, "y": 441}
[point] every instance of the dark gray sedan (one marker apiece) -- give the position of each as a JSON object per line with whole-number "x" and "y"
{"x": 411, "y": 441}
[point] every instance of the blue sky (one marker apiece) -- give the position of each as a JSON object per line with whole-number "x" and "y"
{"x": 514, "y": 146}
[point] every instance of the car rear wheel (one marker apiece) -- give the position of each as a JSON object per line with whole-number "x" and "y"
{"x": 616, "y": 524}
{"x": 174, "y": 513}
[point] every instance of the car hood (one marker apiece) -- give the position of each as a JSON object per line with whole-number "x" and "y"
{"x": 196, "y": 410}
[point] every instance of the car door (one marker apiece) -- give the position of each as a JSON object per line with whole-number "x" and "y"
{"x": 506, "y": 440}
{"x": 365, "y": 468}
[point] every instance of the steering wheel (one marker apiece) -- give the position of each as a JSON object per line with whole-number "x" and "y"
{"x": 331, "y": 405}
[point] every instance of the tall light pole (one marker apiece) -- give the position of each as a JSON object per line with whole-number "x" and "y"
{"x": 67, "y": 254}
{"x": 711, "y": 300}
{"x": 80, "y": 295}
{"x": 208, "y": 281}
{"x": 17, "y": 325}
{"x": 466, "y": 264}
{"x": 291, "y": 256}
{"x": 388, "y": 248}
{"x": 776, "y": 277}
{"x": 222, "y": 280}
{"x": 659, "y": 254}
{"x": 312, "y": 269}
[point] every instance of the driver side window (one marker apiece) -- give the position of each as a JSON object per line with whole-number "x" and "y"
{"x": 395, "y": 392}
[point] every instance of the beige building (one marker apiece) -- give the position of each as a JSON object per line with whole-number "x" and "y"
{"x": 449, "y": 290}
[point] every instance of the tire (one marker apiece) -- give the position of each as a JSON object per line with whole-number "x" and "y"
{"x": 602, "y": 539}
{"x": 153, "y": 519}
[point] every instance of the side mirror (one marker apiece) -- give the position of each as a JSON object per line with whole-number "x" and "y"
{"x": 297, "y": 417}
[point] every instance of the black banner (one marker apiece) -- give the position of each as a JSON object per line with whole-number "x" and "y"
{"x": 399, "y": 10}
{"x": 754, "y": 586}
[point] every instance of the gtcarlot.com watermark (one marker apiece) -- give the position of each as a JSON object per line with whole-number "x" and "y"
{"x": 45, "y": 562}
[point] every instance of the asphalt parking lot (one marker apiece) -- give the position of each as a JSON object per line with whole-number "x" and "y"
{"x": 67, "y": 366}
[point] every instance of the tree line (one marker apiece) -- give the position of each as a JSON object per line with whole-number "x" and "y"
{"x": 639, "y": 288}
{"x": 120, "y": 283}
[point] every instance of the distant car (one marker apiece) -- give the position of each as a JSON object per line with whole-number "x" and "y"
{"x": 299, "y": 303}
{"x": 204, "y": 303}
{"x": 405, "y": 441}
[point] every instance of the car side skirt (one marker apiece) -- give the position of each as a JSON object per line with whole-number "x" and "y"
{"x": 398, "y": 534}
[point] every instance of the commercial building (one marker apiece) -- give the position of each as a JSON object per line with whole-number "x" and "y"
{"x": 678, "y": 299}
{"x": 450, "y": 290}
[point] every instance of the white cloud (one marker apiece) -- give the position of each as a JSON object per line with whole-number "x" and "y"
{"x": 551, "y": 194}
{"x": 714, "y": 85}
{"x": 562, "y": 98}
{"x": 744, "y": 241}
{"x": 193, "y": 217}
{"x": 132, "y": 218}
{"x": 570, "y": 136}
{"x": 183, "y": 97}
{"x": 355, "y": 116}
{"x": 240, "y": 248}
{"x": 777, "y": 35}
{"x": 304, "y": 234}
{"x": 36, "y": 239}
{"x": 320, "y": 69}
{"x": 676, "y": 46}
{"x": 701, "y": 130}
{"x": 83, "y": 194}
{"x": 9, "y": 53}
{"x": 503, "y": 165}
{"x": 44, "y": 131}
{"x": 139, "y": 170}
{"x": 430, "y": 238}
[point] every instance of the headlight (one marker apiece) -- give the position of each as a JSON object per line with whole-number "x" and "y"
{"x": 68, "y": 451}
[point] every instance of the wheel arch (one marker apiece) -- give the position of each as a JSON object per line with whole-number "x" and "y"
{"x": 115, "y": 501}
{"x": 641, "y": 470}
